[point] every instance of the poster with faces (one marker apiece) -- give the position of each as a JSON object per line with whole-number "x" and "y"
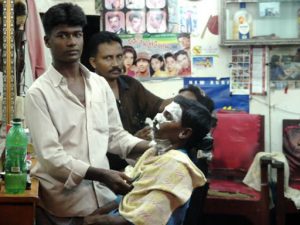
{"x": 135, "y": 16}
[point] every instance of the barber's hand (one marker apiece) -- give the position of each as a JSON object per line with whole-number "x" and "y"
{"x": 117, "y": 181}
{"x": 144, "y": 133}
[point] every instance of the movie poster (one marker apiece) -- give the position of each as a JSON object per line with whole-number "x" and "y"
{"x": 156, "y": 55}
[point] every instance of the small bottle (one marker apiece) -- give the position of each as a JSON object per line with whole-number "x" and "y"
{"x": 15, "y": 158}
{"x": 242, "y": 23}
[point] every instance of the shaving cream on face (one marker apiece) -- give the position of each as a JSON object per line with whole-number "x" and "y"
{"x": 173, "y": 110}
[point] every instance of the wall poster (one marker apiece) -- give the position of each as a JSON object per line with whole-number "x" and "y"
{"x": 156, "y": 55}
{"x": 284, "y": 67}
{"x": 135, "y": 16}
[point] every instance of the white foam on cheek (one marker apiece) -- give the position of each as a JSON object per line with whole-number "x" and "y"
{"x": 159, "y": 118}
{"x": 175, "y": 110}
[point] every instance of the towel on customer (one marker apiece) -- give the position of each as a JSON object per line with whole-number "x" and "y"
{"x": 164, "y": 182}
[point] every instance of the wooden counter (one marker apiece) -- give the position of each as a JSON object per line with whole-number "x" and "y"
{"x": 18, "y": 209}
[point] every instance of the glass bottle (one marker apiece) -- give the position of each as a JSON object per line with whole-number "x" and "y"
{"x": 15, "y": 158}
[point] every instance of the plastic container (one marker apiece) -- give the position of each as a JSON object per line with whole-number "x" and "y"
{"x": 242, "y": 23}
{"x": 15, "y": 159}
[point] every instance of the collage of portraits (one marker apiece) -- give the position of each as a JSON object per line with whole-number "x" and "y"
{"x": 151, "y": 48}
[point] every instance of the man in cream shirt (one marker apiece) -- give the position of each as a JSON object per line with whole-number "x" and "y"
{"x": 73, "y": 120}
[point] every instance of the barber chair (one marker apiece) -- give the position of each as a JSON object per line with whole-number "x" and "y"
{"x": 291, "y": 150}
{"x": 238, "y": 137}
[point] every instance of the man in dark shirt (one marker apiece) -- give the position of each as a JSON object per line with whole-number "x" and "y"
{"x": 135, "y": 103}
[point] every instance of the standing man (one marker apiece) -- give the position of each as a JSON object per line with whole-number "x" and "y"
{"x": 135, "y": 103}
{"x": 74, "y": 121}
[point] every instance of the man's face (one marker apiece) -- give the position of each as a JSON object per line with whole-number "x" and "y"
{"x": 108, "y": 61}
{"x": 155, "y": 20}
{"x": 115, "y": 23}
{"x": 136, "y": 24}
{"x": 185, "y": 42}
{"x": 142, "y": 65}
{"x": 183, "y": 61}
{"x": 65, "y": 43}
{"x": 167, "y": 125}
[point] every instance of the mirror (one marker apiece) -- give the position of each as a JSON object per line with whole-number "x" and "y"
{"x": 13, "y": 17}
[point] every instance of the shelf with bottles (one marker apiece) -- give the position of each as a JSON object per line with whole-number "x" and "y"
{"x": 260, "y": 22}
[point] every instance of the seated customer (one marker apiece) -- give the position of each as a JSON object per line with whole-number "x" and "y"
{"x": 202, "y": 153}
{"x": 164, "y": 177}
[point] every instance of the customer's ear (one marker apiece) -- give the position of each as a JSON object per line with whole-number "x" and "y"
{"x": 186, "y": 133}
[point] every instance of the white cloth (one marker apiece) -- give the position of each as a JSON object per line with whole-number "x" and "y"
{"x": 252, "y": 178}
{"x": 68, "y": 137}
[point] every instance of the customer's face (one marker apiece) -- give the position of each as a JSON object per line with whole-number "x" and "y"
{"x": 65, "y": 43}
{"x": 167, "y": 125}
{"x": 115, "y": 23}
{"x": 108, "y": 61}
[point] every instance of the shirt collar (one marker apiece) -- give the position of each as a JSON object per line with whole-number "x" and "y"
{"x": 57, "y": 78}
{"x": 122, "y": 83}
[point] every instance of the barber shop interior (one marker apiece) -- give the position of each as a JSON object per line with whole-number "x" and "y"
{"x": 149, "y": 112}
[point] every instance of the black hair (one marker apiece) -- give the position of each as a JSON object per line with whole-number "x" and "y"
{"x": 180, "y": 52}
{"x": 168, "y": 54}
{"x": 64, "y": 13}
{"x": 101, "y": 38}
{"x": 135, "y": 15}
{"x": 129, "y": 48}
{"x": 187, "y": 35}
{"x": 203, "y": 99}
{"x": 274, "y": 60}
{"x": 160, "y": 58}
{"x": 194, "y": 116}
{"x": 112, "y": 16}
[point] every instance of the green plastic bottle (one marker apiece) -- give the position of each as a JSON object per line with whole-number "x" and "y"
{"x": 15, "y": 158}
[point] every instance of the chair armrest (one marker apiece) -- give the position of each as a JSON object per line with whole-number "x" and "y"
{"x": 279, "y": 166}
{"x": 265, "y": 161}
{"x": 279, "y": 198}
